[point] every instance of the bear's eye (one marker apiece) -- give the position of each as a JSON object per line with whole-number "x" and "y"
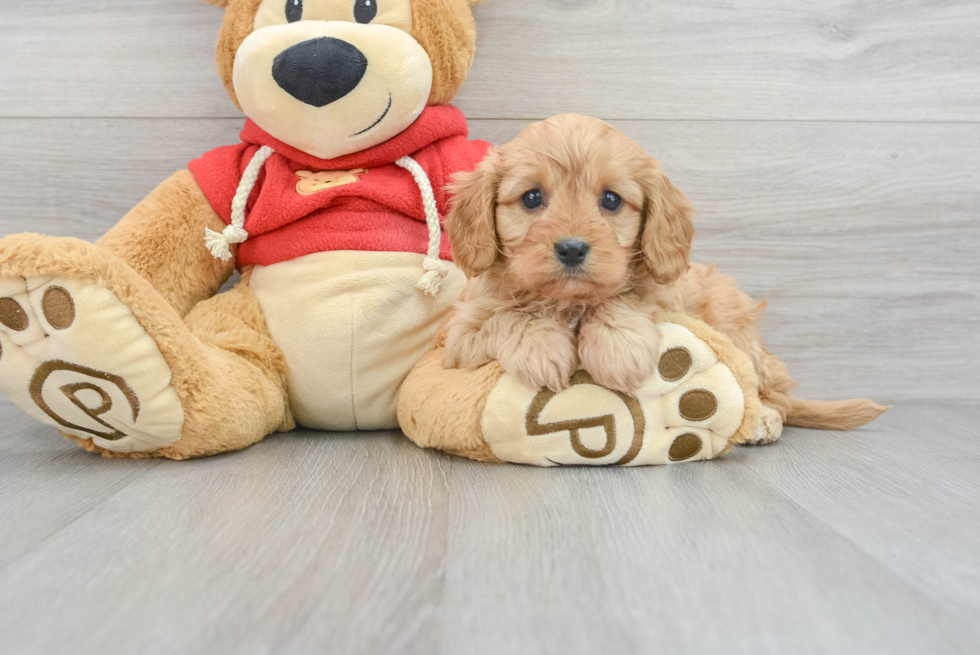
{"x": 294, "y": 10}
{"x": 611, "y": 202}
{"x": 365, "y": 10}
{"x": 532, "y": 200}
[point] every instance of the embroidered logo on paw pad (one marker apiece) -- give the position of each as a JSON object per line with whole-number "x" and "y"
{"x": 574, "y": 428}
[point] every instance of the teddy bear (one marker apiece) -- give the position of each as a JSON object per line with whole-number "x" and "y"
{"x": 332, "y": 209}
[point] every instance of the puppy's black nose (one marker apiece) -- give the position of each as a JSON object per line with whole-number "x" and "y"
{"x": 319, "y": 71}
{"x": 571, "y": 252}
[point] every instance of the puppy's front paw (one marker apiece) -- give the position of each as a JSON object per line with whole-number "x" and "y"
{"x": 541, "y": 355}
{"x": 465, "y": 347}
{"x": 620, "y": 354}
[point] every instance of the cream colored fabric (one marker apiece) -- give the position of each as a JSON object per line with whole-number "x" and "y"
{"x": 351, "y": 326}
{"x": 525, "y": 426}
{"x": 84, "y": 365}
{"x": 389, "y": 98}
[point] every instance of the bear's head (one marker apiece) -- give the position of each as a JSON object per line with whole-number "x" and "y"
{"x": 334, "y": 77}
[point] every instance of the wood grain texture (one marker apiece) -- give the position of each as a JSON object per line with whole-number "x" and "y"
{"x": 824, "y": 543}
{"x": 831, "y": 148}
{"x": 865, "y": 486}
{"x": 863, "y": 237}
{"x": 719, "y": 558}
{"x": 730, "y": 59}
{"x": 110, "y": 58}
{"x": 651, "y": 59}
{"x": 306, "y": 542}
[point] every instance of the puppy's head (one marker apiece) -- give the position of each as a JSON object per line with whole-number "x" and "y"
{"x": 572, "y": 209}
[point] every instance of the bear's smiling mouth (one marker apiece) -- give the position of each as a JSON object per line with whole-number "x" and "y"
{"x": 391, "y": 101}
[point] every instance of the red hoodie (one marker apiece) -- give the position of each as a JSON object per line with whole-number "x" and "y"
{"x": 303, "y": 205}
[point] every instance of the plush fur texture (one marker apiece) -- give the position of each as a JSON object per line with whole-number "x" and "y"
{"x": 227, "y": 371}
{"x": 542, "y": 320}
{"x": 444, "y": 28}
{"x": 539, "y": 318}
{"x": 443, "y": 408}
{"x": 238, "y": 24}
{"x": 159, "y": 239}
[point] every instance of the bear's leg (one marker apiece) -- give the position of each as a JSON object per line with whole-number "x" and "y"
{"x": 699, "y": 403}
{"x": 89, "y": 347}
{"x": 245, "y": 398}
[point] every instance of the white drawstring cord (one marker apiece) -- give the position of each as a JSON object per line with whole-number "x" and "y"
{"x": 436, "y": 269}
{"x": 219, "y": 243}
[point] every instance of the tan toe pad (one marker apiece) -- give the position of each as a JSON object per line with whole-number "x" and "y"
{"x": 690, "y": 409}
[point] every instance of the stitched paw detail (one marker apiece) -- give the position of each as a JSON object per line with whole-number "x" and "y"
{"x": 75, "y": 357}
{"x": 687, "y": 410}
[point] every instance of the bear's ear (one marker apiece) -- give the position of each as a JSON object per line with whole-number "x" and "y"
{"x": 239, "y": 22}
{"x": 447, "y": 32}
{"x": 223, "y": 3}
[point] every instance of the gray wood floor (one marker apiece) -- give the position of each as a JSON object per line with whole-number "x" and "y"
{"x": 866, "y": 542}
{"x": 833, "y": 150}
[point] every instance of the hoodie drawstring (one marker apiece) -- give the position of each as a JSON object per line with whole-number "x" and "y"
{"x": 436, "y": 269}
{"x": 219, "y": 243}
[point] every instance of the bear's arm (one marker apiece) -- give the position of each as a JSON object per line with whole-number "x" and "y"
{"x": 162, "y": 238}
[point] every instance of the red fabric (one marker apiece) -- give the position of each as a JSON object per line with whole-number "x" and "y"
{"x": 382, "y": 211}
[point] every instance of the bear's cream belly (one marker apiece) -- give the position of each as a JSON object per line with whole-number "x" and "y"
{"x": 351, "y": 326}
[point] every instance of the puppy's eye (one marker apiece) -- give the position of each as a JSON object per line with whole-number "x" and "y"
{"x": 532, "y": 199}
{"x": 365, "y": 10}
{"x": 611, "y": 202}
{"x": 294, "y": 10}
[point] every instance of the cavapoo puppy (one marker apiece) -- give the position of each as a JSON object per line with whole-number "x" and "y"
{"x": 574, "y": 240}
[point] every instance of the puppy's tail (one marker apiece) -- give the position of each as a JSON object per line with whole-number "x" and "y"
{"x": 836, "y": 415}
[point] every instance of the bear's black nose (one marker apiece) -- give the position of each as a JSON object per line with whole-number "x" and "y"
{"x": 319, "y": 71}
{"x": 571, "y": 252}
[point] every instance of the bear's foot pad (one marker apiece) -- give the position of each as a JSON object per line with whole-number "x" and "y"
{"x": 72, "y": 355}
{"x": 690, "y": 409}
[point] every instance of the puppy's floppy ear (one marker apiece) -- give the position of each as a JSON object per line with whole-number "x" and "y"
{"x": 471, "y": 223}
{"x": 668, "y": 229}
